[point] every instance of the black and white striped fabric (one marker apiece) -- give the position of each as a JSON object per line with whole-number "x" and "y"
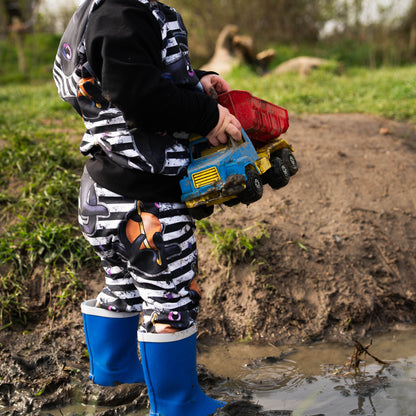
{"x": 105, "y": 125}
{"x": 134, "y": 283}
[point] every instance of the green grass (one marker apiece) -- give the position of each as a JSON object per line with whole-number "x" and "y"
{"x": 387, "y": 92}
{"x": 39, "y": 177}
{"x": 41, "y": 166}
{"x": 35, "y": 111}
{"x": 231, "y": 246}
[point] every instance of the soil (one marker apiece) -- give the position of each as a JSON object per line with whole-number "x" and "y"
{"x": 337, "y": 263}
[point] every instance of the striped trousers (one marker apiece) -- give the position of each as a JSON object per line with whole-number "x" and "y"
{"x": 148, "y": 253}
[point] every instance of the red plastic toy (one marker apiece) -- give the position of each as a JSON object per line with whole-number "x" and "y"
{"x": 262, "y": 121}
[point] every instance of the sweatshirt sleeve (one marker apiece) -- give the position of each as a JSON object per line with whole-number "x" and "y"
{"x": 123, "y": 45}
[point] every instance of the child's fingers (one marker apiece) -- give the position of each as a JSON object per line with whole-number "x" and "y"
{"x": 233, "y": 131}
{"x": 213, "y": 141}
{"x": 227, "y": 126}
{"x": 220, "y": 84}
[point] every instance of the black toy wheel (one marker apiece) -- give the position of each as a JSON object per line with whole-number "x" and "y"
{"x": 278, "y": 175}
{"x": 289, "y": 160}
{"x": 201, "y": 211}
{"x": 232, "y": 202}
{"x": 254, "y": 188}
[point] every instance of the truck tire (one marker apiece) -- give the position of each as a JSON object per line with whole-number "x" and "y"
{"x": 232, "y": 202}
{"x": 254, "y": 188}
{"x": 278, "y": 175}
{"x": 289, "y": 160}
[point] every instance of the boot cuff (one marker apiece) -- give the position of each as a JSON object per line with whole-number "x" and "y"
{"x": 88, "y": 308}
{"x": 175, "y": 336}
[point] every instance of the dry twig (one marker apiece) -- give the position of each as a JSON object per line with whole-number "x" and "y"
{"x": 354, "y": 361}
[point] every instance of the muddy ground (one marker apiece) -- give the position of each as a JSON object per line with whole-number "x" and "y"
{"x": 338, "y": 263}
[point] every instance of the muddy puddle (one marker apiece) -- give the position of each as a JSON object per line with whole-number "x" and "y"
{"x": 309, "y": 380}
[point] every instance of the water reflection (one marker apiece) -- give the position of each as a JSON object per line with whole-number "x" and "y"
{"x": 306, "y": 381}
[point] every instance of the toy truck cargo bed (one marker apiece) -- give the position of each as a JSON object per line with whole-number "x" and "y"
{"x": 262, "y": 121}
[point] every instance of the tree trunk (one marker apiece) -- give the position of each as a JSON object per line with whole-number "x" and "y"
{"x": 412, "y": 40}
{"x": 17, "y": 31}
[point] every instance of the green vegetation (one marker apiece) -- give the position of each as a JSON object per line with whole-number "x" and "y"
{"x": 39, "y": 51}
{"x": 39, "y": 177}
{"x": 231, "y": 246}
{"x": 389, "y": 91}
{"x": 42, "y": 252}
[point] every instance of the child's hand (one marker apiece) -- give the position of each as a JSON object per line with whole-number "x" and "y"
{"x": 214, "y": 85}
{"x": 227, "y": 126}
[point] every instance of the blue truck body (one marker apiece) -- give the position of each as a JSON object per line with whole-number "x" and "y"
{"x": 232, "y": 173}
{"x": 218, "y": 172}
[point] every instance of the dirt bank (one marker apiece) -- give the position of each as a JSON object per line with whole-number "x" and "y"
{"x": 338, "y": 262}
{"x": 340, "y": 257}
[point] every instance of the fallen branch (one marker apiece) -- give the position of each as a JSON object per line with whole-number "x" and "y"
{"x": 232, "y": 49}
{"x": 354, "y": 361}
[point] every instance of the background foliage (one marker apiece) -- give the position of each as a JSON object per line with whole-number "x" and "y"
{"x": 389, "y": 40}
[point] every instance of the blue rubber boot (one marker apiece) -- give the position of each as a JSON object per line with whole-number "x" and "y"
{"x": 112, "y": 345}
{"x": 169, "y": 365}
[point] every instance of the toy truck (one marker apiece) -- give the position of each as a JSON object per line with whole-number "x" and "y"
{"x": 236, "y": 172}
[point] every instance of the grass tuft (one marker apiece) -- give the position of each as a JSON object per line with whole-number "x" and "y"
{"x": 232, "y": 246}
